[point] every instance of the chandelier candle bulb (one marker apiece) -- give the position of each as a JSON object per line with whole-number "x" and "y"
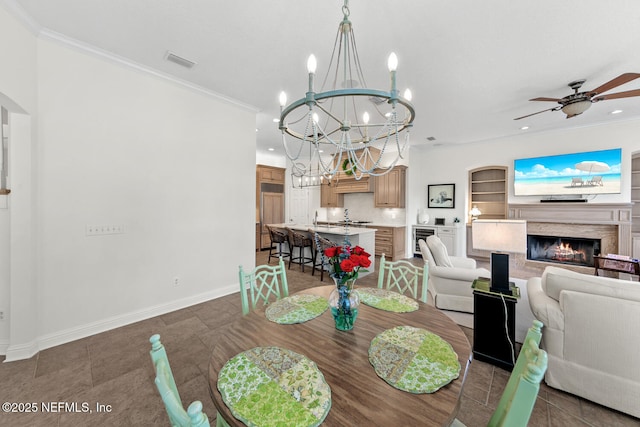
{"x": 311, "y": 68}
{"x": 392, "y": 62}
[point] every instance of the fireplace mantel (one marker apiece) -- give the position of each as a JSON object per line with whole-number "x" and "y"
{"x": 618, "y": 214}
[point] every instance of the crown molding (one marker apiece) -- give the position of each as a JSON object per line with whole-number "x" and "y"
{"x": 88, "y": 49}
{"x": 18, "y": 12}
{"x": 46, "y": 34}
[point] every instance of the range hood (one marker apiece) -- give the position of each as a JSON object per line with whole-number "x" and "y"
{"x": 348, "y": 184}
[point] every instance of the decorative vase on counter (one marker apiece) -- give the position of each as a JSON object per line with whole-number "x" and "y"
{"x": 344, "y": 302}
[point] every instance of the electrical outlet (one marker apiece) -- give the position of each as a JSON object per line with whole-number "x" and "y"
{"x": 101, "y": 230}
{"x": 176, "y": 281}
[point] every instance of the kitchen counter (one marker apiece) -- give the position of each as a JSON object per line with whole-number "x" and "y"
{"x": 386, "y": 225}
{"x": 333, "y": 229}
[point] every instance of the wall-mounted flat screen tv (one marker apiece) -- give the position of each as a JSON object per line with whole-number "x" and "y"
{"x": 590, "y": 172}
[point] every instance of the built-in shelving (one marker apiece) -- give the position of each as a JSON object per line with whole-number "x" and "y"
{"x": 635, "y": 210}
{"x": 635, "y": 192}
{"x": 487, "y": 192}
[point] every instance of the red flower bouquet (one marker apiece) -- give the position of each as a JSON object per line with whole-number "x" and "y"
{"x": 346, "y": 262}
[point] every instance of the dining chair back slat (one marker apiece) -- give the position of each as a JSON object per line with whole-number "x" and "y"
{"x": 520, "y": 394}
{"x": 263, "y": 283}
{"x": 403, "y": 277}
{"x": 166, "y": 385}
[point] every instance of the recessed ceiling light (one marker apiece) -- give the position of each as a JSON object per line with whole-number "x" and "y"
{"x": 524, "y": 128}
{"x": 276, "y": 120}
{"x": 616, "y": 112}
{"x": 271, "y": 149}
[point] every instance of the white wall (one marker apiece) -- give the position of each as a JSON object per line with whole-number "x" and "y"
{"x": 115, "y": 145}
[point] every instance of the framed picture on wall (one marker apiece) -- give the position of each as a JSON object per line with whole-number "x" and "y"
{"x": 441, "y": 196}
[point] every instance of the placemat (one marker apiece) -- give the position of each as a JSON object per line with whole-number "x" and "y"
{"x": 413, "y": 359}
{"x": 272, "y": 386}
{"x": 296, "y": 309}
{"x": 387, "y": 300}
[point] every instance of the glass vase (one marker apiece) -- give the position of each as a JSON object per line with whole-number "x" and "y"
{"x": 344, "y": 303}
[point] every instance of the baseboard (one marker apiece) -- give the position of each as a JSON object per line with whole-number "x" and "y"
{"x": 28, "y": 350}
{"x": 21, "y": 351}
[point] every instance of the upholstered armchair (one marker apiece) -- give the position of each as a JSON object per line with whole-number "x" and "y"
{"x": 450, "y": 277}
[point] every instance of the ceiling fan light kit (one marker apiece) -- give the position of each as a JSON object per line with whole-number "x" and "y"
{"x": 579, "y": 102}
{"x": 575, "y": 108}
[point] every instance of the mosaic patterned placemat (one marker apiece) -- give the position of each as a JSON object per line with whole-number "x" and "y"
{"x": 413, "y": 359}
{"x": 387, "y": 300}
{"x": 296, "y": 309}
{"x": 272, "y": 386}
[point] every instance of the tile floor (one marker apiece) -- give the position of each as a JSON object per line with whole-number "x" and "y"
{"x": 111, "y": 373}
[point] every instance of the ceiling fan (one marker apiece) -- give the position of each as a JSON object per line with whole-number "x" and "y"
{"x": 579, "y": 102}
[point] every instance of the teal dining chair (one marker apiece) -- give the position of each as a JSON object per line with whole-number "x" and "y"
{"x": 403, "y": 277}
{"x": 193, "y": 416}
{"x": 261, "y": 284}
{"x": 519, "y": 396}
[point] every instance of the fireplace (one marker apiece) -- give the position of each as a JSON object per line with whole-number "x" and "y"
{"x": 609, "y": 222}
{"x": 563, "y": 250}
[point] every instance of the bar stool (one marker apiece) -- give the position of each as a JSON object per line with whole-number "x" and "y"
{"x": 278, "y": 236}
{"x": 300, "y": 241}
{"x": 319, "y": 245}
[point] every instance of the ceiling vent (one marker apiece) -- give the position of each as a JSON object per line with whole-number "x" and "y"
{"x": 172, "y": 57}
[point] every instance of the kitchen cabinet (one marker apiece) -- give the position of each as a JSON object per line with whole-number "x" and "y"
{"x": 328, "y": 196}
{"x": 390, "y": 241}
{"x": 269, "y": 200}
{"x": 390, "y": 188}
{"x": 450, "y": 236}
{"x": 271, "y": 174}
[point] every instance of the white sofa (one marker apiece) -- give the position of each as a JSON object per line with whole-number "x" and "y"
{"x": 450, "y": 277}
{"x": 591, "y": 334}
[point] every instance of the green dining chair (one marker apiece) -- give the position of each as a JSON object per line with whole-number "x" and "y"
{"x": 403, "y": 277}
{"x": 193, "y": 416}
{"x": 519, "y": 396}
{"x": 262, "y": 284}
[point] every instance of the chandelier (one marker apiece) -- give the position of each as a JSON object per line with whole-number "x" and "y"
{"x": 347, "y": 127}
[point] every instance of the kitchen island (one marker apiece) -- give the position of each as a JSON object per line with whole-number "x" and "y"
{"x": 358, "y": 236}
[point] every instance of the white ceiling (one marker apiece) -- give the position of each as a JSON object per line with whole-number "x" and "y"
{"x": 472, "y": 65}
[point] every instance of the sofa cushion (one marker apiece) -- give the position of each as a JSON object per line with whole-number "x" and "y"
{"x": 439, "y": 251}
{"x": 555, "y": 280}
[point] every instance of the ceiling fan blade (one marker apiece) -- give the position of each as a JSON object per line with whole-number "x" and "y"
{"x": 533, "y": 114}
{"x": 546, "y": 99}
{"x": 620, "y": 80}
{"x": 627, "y": 94}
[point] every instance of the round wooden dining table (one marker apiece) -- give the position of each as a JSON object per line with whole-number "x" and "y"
{"x": 359, "y": 397}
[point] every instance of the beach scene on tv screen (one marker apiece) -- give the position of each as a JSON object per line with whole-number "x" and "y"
{"x": 590, "y": 172}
